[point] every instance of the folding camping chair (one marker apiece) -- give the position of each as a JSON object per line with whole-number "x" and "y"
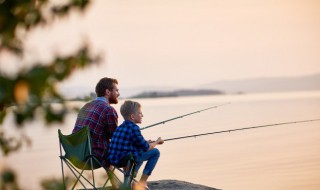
{"x": 78, "y": 158}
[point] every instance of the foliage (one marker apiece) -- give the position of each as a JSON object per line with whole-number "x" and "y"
{"x": 33, "y": 91}
{"x": 8, "y": 180}
{"x": 55, "y": 184}
{"x": 27, "y": 14}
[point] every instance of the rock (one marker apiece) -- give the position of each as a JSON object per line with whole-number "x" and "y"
{"x": 174, "y": 184}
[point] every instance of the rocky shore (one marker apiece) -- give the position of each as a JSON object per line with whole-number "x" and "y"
{"x": 175, "y": 184}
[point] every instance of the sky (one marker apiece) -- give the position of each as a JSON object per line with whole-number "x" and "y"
{"x": 185, "y": 43}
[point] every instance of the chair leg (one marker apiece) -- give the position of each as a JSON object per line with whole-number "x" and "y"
{"x": 80, "y": 174}
{"x": 94, "y": 184}
{"x": 128, "y": 175}
{"x": 112, "y": 177}
{"x": 62, "y": 169}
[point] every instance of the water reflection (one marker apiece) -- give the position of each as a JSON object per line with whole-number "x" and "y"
{"x": 285, "y": 157}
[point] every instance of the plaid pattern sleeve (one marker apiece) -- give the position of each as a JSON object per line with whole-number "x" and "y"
{"x": 102, "y": 120}
{"x": 126, "y": 139}
{"x": 111, "y": 121}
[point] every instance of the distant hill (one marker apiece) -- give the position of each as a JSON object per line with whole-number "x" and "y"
{"x": 253, "y": 85}
{"x": 184, "y": 92}
{"x": 279, "y": 84}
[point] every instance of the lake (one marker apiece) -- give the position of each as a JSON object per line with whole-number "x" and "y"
{"x": 279, "y": 157}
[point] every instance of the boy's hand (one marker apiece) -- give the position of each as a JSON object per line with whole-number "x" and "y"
{"x": 160, "y": 141}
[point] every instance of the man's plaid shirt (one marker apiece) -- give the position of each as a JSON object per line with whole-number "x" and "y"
{"x": 102, "y": 120}
{"x": 126, "y": 139}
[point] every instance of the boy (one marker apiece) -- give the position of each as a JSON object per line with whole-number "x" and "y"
{"x": 127, "y": 139}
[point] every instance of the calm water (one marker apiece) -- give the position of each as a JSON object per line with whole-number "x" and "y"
{"x": 275, "y": 158}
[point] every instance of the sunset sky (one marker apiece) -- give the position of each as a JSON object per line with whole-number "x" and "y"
{"x": 186, "y": 43}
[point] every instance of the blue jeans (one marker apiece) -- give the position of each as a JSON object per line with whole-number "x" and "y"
{"x": 151, "y": 157}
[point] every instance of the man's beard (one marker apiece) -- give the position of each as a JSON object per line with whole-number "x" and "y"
{"x": 113, "y": 100}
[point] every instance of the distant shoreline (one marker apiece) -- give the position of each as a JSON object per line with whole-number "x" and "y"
{"x": 240, "y": 86}
{"x": 177, "y": 93}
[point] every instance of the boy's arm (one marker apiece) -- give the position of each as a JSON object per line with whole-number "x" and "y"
{"x": 153, "y": 144}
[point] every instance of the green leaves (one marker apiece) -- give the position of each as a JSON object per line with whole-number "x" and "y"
{"x": 9, "y": 144}
{"x": 36, "y": 88}
{"x": 8, "y": 179}
{"x": 18, "y": 15}
{"x": 56, "y": 184}
{"x": 32, "y": 93}
{"x": 73, "y": 4}
{"x": 23, "y": 15}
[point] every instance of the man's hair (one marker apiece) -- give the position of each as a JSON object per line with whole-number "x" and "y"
{"x": 104, "y": 84}
{"x": 129, "y": 107}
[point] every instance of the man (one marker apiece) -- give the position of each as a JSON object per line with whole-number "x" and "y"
{"x": 100, "y": 117}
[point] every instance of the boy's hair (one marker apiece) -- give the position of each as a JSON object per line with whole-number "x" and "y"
{"x": 129, "y": 107}
{"x": 104, "y": 84}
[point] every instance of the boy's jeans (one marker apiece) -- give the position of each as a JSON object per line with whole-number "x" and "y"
{"x": 151, "y": 157}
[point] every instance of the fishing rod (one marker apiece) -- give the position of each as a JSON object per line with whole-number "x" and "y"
{"x": 181, "y": 116}
{"x": 240, "y": 129}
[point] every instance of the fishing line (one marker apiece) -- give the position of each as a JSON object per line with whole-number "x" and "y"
{"x": 240, "y": 129}
{"x": 181, "y": 116}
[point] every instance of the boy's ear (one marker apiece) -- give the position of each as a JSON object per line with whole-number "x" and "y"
{"x": 132, "y": 116}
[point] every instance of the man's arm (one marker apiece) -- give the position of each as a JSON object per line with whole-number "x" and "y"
{"x": 112, "y": 122}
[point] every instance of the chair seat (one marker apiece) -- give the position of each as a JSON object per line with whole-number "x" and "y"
{"x": 78, "y": 158}
{"x": 124, "y": 161}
